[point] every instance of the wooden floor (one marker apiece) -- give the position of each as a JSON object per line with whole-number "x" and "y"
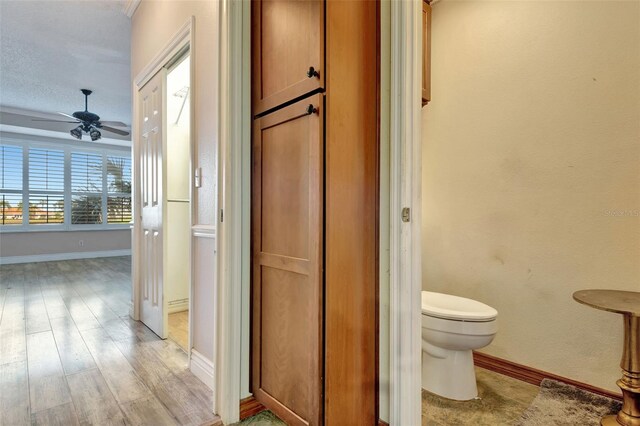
{"x": 179, "y": 328}
{"x": 70, "y": 354}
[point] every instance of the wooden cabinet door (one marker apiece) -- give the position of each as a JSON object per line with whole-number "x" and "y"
{"x": 287, "y": 41}
{"x": 426, "y": 53}
{"x": 287, "y": 247}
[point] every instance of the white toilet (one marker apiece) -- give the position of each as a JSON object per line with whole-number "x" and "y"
{"x": 452, "y": 327}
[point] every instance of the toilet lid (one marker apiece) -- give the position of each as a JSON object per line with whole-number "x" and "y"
{"x": 455, "y": 308}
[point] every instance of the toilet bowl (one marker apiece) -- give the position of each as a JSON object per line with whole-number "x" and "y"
{"x": 452, "y": 327}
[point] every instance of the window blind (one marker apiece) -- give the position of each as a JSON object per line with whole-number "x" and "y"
{"x": 46, "y": 186}
{"x": 118, "y": 189}
{"x": 86, "y": 188}
{"x": 10, "y": 185}
{"x": 61, "y": 186}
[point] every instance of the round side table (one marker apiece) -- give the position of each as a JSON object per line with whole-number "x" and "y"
{"x": 626, "y": 303}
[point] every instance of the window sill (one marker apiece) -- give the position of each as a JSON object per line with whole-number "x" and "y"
{"x": 64, "y": 228}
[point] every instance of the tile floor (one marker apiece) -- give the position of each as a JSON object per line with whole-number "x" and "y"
{"x": 70, "y": 354}
{"x": 502, "y": 402}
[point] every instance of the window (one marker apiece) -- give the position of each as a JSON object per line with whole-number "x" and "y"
{"x": 58, "y": 186}
{"x": 10, "y": 185}
{"x": 46, "y": 186}
{"x": 118, "y": 189}
{"x": 86, "y": 188}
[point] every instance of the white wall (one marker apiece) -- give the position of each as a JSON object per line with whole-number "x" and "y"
{"x": 55, "y": 243}
{"x": 178, "y": 131}
{"x": 153, "y": 25}
{"x": 530, "y": 142}
{"x": 177, "y": 266}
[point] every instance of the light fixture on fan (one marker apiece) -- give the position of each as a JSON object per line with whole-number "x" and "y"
{"x": 77, "y": 132}
{"x": 95, "y": 134}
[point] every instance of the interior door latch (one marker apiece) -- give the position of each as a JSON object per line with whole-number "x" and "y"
{"x": 406, "y": 214}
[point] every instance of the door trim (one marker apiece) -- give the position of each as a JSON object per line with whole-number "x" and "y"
{"x": 231, "y": 115}
{"x": 174, "y": 46}
{"x": 405, "y": 191}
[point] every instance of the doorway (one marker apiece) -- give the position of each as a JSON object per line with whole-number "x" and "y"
{"x": 178, "y": 207}
{"x": 164, "y": 156}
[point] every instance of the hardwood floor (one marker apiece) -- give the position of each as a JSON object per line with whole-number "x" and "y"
{"x": 70, "y": 354}
{"x": 179, "y": 328}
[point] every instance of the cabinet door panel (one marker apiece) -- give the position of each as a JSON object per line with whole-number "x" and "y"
{"x": 288, "y": 39}
{"x": 287, "y": 281}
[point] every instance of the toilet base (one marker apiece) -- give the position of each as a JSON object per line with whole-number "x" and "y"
{"x": 448, "y": 373}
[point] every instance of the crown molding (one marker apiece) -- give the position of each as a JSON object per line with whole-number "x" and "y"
{"x": 130, "y": 7}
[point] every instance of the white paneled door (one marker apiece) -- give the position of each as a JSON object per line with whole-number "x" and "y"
{"x": 151, "y": 192}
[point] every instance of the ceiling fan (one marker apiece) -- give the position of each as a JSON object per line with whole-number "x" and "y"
{"x": 89, "y": 122}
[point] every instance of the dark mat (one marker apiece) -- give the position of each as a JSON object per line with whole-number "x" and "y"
{"x": 559, "y": 404}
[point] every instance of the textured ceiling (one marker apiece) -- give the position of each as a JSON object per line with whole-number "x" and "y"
{"x": 52, "y": 49}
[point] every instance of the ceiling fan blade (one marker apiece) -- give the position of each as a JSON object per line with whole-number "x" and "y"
{"x": 67, "y": 115}
{"x": 116, "y": 131}
{"x": 113, "y": 123}
{"x": 55, "y": 121}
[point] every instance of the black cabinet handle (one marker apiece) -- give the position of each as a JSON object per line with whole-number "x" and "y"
{"x": 311, "y": 109}
{"x": 312, "y": 72}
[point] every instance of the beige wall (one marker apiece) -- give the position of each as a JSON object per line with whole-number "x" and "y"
{"x": 51, "y": 242}
{"x": 531, "y": 141}
{"x": 153, "y": 25}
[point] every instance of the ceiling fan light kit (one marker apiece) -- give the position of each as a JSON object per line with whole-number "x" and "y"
{"x": 89, "y": 122}
{"x": 95, "y": 135}
{"x": 77, "y": 133}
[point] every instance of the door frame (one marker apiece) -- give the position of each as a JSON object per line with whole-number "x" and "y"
{"x": 233, "y": 241}
{"x": 174, "y": 49}
{"x": 405, "y": 333}
{"x": 233, "y": 244}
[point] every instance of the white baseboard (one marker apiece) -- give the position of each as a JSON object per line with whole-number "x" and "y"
{"x": 178, "y": 305}
{"x": 202, "y": 368}
{"x": 7, "y": 260}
